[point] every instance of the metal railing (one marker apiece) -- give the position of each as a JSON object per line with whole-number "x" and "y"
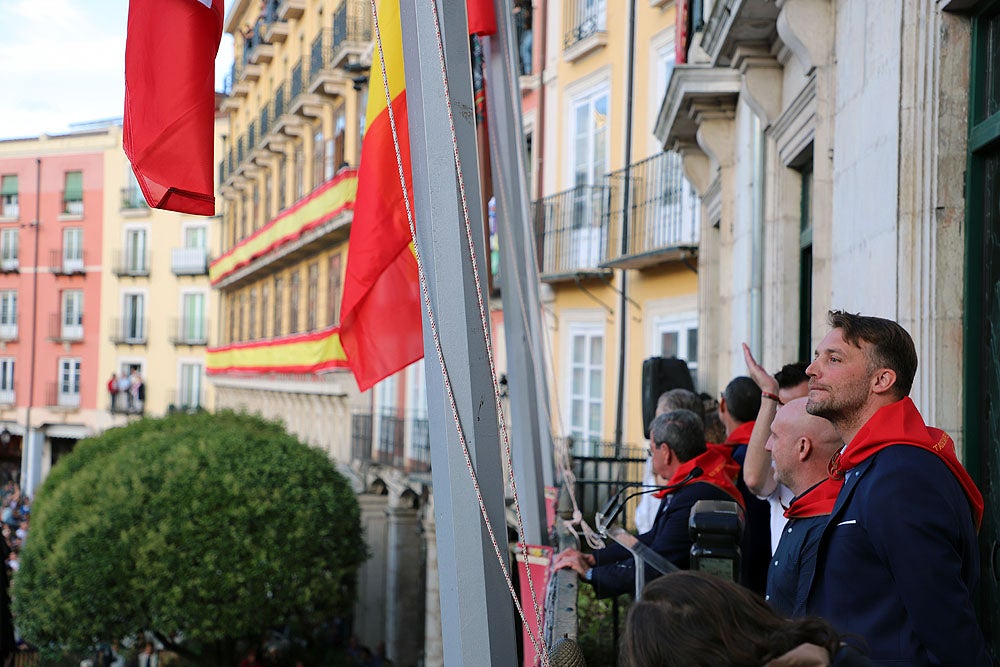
{"x": 663, "y": 207}
{"x": 352, "y": 28}
{"x": 601, "y": 469}
{"x": 189, "y": 261}
{"x": 298, "y": 74}
{"x": 7, "y": 396}
{"x": 186, "y": 400}
{"x": 62, "y": 264}
{"x": 65, "y": 332}
{"x": 127, "y": 263}
{"x": 10, "y": 210}
{"x": 8, "y": 332}
{"x": 189, "y": 331}
{"x": 129, "y": 331}
{"x": 72, "y": 204}
{"x": 133, "y": 199}
{"x": 264, "y": 119}
{"x": 571, "y": 229}
{"x": 55, "y": 396}
{"x": 583, "y": 18}
{"x": 321, "y": 52}
{"x": 388, "y": 439}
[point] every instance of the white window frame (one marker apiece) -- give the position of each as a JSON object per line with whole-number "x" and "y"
{"x": 7, "y": 380}
{"x": 190, "y": 384}
{"x": 9, "y": 249}
{"x": 580, "y": 429}
{"x": 675, "y": 315}
{"x": 195, "y": 236}
{"x": 133, "y": 322}
{"x": 72, "y": 249}
{"x": 72, "y": 315}
{"x": 68, "y": 382}
{"x": 8, "y": 315}
{"x": 9, "y": 206}
{"x": 193, "y": 326}
{"x": 136, "y": 255}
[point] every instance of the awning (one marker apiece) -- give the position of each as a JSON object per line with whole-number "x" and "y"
{"x": 74, "y": 431}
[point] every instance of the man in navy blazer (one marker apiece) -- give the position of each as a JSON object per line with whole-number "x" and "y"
{"x": 677, "y": 446}
{"x": 898, "y": 561}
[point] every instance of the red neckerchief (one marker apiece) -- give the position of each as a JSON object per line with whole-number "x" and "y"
{"x": 900, "y": 423}
{"x": 818, "y": 500}
{"x": 732, "y": 469}
{"x": 740, "y": 435}
{"x": 714, "y": 471}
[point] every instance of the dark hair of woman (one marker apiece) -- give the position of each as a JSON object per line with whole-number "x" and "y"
{"x": 694, "y": 619}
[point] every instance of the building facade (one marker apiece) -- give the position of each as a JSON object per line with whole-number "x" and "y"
{"x": 844, "y": 154}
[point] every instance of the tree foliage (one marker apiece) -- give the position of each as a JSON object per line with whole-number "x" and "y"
{"x": 205, "y": 529}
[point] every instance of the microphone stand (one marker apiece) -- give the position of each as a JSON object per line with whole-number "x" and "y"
{"x": 641, "y": 553}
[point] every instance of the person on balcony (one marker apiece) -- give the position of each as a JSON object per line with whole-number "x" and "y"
{"x": 694, "y": 472}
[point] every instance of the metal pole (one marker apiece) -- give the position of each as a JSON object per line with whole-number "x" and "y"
{"x": 477, "y": 618}
{"x": 28, "y": 445}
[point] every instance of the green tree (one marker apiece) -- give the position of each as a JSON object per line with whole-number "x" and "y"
{"x": 206, "y": 529}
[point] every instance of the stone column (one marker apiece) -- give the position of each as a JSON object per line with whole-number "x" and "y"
{"x": 404, "y": 583}
{"x": 433, "y": 647}
{"x": 369, "y": 611}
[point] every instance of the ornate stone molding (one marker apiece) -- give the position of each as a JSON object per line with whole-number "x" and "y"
{"x": 807, "y": 28}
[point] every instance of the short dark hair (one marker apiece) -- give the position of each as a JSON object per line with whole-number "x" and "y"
{"x": 681, "y": 399}
{"x": 742, "y": 399}
{"x": 891, "y": 345}
{"x": 792, "y": 375}
{"x": 695, "y": 619}
{"x": 682, "y": 431}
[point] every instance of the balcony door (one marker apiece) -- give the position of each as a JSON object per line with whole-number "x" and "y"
{"x": 69, "y": 382}
{"x": 8, "y": 315}
{"x": 387, "y": 426}
{"x": 8, "y": 249}
{"x": 189, "y": 395}
{"x": 72, "y": 255}
{"x": 133, "y": 318}
{"x": 590, "y": 164}
{"x": 586, "y": 387}
{"x": 193, "y": 317}
{"x": 135, "y": 252}
{"x": 7, "y": 381}
{"x": 72, "y": 315}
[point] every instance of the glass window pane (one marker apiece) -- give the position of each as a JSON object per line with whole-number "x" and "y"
{"x": 692, "y": 355}
{"x": 597, "y": 350}
{"x": 596, "y": 375}
{"x": 668, "y": 344}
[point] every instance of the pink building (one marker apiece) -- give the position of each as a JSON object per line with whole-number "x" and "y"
{"x": 51, "y": 219}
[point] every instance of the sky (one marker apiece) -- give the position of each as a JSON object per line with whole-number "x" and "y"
{"x": 63, "y": 62}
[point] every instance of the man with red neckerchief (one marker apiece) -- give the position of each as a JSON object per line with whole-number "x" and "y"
{"x": 677, "y": 445}
{"x": 800, "y": 446}
{"x": 738, "y": 409}
{"x": 898, "y": 562}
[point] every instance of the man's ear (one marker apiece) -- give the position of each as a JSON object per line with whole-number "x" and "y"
{"x": 883, "y": 380}
{"x": 804, "y": 448}
{"x": 722, "y": 405}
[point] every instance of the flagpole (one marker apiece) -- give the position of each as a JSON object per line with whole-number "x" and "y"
{"x": 477, "y": 619}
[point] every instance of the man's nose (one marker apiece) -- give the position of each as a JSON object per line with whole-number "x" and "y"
{"x": 812, "y": 370}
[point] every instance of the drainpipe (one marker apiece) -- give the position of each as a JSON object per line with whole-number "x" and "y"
{"x": 29, "y": 473}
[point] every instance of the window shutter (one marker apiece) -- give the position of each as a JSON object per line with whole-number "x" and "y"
{"x": 74, "y": 186}
{"x": 9, "y": 185}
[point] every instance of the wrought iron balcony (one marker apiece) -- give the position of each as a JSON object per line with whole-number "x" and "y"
{"x": 72, "y": 204}
{"x": 8, "y": 332}
{"x": 10, "y": 264}
{"x": 7, "y": 396}
{"x": 133, "y": 199}
{"x": 571, "y": 229}
{"x": 65, "y": 330}
{"x": 189, "y": 261}
{"x": 129, "y": 331}
{"x": 127, "y": 263}
{"x": 189, "y": 331}
{"x": 388, "y": 439}
{"x": 585, "y": 27}
{"x": 352, "y": 32}
{"x": 186, "y": 400}
{"x": 663, "y": 213}
{"x": 64, "y": 263}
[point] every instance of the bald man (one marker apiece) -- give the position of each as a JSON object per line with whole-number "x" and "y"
{"x": 801, "y": 446}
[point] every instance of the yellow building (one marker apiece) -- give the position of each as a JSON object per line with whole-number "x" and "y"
{"x": 620, "y": 263}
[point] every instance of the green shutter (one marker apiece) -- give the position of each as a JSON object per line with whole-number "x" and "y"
{"x": 9, "y": 186}
{"x": 74, "y": 186}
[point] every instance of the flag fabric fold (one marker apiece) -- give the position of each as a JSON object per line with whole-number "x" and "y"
{"x": 168, "y": 125}
{"x": 381, "y": 328}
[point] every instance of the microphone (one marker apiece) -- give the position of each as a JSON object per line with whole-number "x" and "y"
{"x": 619, "y": 504}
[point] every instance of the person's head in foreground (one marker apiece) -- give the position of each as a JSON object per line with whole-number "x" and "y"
{"x": 694, "y": 619}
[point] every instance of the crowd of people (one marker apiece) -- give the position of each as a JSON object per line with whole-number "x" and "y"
{"x": 860, "y": 545}
{"x": 127, "y": 392}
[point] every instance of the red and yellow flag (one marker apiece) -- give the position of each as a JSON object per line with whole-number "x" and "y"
{"x": 380, "y": 328}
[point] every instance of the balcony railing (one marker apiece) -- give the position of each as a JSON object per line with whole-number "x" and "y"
{"x": 189, "y": 331}
{"x": 584, "y": 18}
{"x": 10, "y": 264}
{"x": 65, "y": 332}
{"x": 7, "y": 396}
{"x": 601, "y": 469}
{"x": 571, "y": 230}
{"x": 321, "y": 52}
{"x": 133, "y": 200}
{"x": 352, "y": 31}
{"x": 10, "y": 210}
{"x": 60, "y": 396}
{"x": 127, "y": 263}
{"x": 383, "y": 439}
{"x": 189, "y": 261}
{"x": 72, "y": 204}
{"x": 663, "y": 211}
{"x": 61, "y": 263}
{"x": 186, "y": 400}
{"x": 8, "y": 332}
{"x": 129, "y": 331}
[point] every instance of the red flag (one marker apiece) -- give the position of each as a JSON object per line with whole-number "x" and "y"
{"x": 169, "y": 120}
{"x": 482, "y": 18}
{"x": 380, "y": 325}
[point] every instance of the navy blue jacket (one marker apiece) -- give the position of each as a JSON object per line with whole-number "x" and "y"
{"x": 793, "y": 564}
{"x": 757, "y": 539}
{"x": 898, "y": 562}
{"x": 614, "y": 573}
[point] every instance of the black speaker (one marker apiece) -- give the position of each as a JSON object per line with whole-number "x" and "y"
{"x": 660, "y": 374}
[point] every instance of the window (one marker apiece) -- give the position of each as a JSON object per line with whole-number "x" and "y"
{"x": 586, "y": 386}
{"x": 8, "y": 315}
{"x": 73, "y": 193}
{"x": 8, "y": 196}
{"x": 241, "y": 318}
{"x": 294, "y": 287}
{"x": 72, "y": 254}
{"x": 677, "y": 336}
{"x": 69, "y": 382}
{"x": 333, "y": 291}
{"x": 189, "y": 396}
{"x": 282, "y": 170}
{"x": 279, "y": 305}
{"x": 312, "y": 296}
{"x": 335, "y": 157}
{"x": 132, "y": 197}
{"x": 196, "y": 236}
{"x": 805, "y": 264}
{"x": 72, "y": 315}
{"x": 319, "y": 159}
{"x": 136, "y": 255}
{"x": 299, "y": 172}
{"x": 8, "y": 249}
{"x": 590, "y": 161}
{"x": 6, "y": 380}
{"x": 134, "y": 318}
{"x": 193, "y": 329}
{"x": 265, "y": 292}
{"x": 252, "y": 315}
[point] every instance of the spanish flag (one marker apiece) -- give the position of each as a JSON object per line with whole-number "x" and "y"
{"x": 381, "y": 329}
